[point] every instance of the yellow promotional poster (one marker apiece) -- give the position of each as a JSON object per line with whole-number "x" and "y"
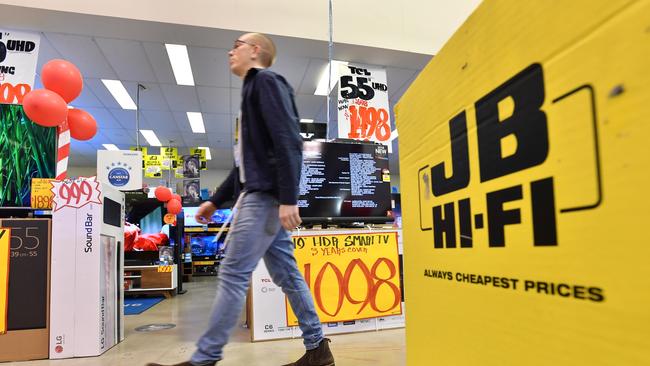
{"x": 169, "y": 157}
{"x": 5, "y": 236}
{"x": 202, "y": 156}
{"x": 153, "y": 166}
{"x": 524, "y": 168}
{"x": 178, "y": 172}
{"x": 351, "y": 276}
{"x": 41, "y": 195}
{"x": 144, "y": 153}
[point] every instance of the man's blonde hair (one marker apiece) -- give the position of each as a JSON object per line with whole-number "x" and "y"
{"x": 267, "y": 48}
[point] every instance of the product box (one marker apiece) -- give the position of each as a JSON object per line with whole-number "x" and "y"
{"x": 87, "y": 251}
{"x": 27, "y": 298}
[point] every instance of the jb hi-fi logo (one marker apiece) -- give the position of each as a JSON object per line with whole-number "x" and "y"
{"x": 7, "y": 44}
{"x": 528, "y": 124}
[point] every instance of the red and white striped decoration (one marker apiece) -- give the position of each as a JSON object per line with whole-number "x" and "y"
{"x": 63, "y": 151}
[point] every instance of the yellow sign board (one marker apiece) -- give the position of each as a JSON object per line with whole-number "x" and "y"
{"x": 351, "y": 276}
{"x": 5, "y": 238}
{"x": 144, "y": 153}
{"x": 42, "y": 195}
{"x": 169, "y": 157}
{"x": 153, "y": 166}
{"x": 165, "y": 269}
{"x": 524, "y": 173}
{"x": 201, "y": 152}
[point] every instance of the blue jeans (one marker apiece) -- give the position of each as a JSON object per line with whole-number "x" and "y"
{"x": 256, "y": 233}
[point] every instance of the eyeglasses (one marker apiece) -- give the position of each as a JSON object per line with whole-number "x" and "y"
{"x": 239, "y": 42}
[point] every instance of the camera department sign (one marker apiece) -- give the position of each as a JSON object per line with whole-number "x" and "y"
{"x": 18, "y": 58}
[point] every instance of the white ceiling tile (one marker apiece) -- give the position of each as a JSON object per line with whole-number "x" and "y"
{"x": 127, "y": 58}
{"x": 87, "y": 98}
{"x": 46, "y": 52}
{"x": 214, "y": 100}
{"x": 181, "y": 98}
{"x": 151, "y": 98}
{"x": 105, "y": 119}
{"x": 84, "y": 53}
{"x": 235, "y": 101}
{"x": 292, "y": 68}
{"x": 159, "y": 60}
{"x": 235, "y": 81}
{"x": 310, "y": 105}
{"x": 101, "y": 93}
{"x": 195, "y": 139}
{"x": 218, "y": 124}
{"x": 210, "y": 66}
{"x": 313, "y": 73}
{"x": 181, "y": 122}
{"x": 396, "y": 78}
{"x": 127, "y": 119}
{"x": 160, "y": 120}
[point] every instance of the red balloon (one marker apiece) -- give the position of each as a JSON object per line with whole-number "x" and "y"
{"x": 174, "y": 206}
{"x": 177, "y": 197}
{"x": 45, "y": 107}
{"x": 63, "y": 78}
{"x": 82, "y": 124}
{"x": 163, "y": 194}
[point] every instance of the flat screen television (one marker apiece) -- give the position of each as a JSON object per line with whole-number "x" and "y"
{"x": 145, "y": 231}
{"x": 27, "y": 151}
{"x": 344, "y": 183}
{"x": 206, "y": 246}
{"x": 219, "y": 217}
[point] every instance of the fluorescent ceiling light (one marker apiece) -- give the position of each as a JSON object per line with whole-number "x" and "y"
{"x": 110, "y": 147}
{"x": 120, "y": 94}
{"x": 307, "y": 120}
{"x": 196, "y": 122}
{"x": 151, "y": 137}
{"x": 208, "y": 156}
{"x": 321, "y": 89}
{"x": 393, "y": 135}
{"x": 180, "y": 61}
{"x": 70, "y": 107}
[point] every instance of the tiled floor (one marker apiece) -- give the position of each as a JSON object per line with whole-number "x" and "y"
{"x": 190, "y": 312}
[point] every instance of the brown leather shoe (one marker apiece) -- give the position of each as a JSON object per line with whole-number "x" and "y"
{"x": 186, "y": 363}
{"x": 320, "y": 356}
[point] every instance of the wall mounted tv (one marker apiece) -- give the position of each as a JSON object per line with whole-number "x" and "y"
{"x": 27, "y": 151}
{"x": 344, "y": 183}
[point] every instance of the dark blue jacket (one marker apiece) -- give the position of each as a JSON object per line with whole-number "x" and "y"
{"x": 271, "y": 142}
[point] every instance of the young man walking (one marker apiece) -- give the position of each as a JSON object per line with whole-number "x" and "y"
{"x": 268, "y": 159}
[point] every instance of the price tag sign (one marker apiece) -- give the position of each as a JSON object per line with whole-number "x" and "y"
{"x": 5, "y": 236}
{"x": 42, "y": 195}
{"x": 164, "y": 269}
{"x": 169, "y": 157}
{"x": 351, "y": 276}
{"x": 153, "y": 166}
{"x": 364, "y": 113}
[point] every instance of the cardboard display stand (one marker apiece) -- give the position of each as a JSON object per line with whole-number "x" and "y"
{"x": 29, "y": 288}
{"x": 87, "y": 269}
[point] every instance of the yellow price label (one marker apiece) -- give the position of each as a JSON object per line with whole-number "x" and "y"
{"x": 41, "y": 197}
{"x": 164, "y": 269}
{"x": 351, "y": 276}
{"x": 5, "y": 235}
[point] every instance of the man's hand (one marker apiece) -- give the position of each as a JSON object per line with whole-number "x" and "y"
{"x": 204, "y": 213}
{"x": 289, "y": 216}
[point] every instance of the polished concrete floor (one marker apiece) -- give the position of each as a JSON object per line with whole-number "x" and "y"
{"x": 190, "y": 311}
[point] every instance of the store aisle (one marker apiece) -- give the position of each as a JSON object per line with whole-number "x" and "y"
{"x": 190, "y": 311}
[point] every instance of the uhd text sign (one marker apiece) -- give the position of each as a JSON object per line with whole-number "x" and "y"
{"x": 18, "y": 57}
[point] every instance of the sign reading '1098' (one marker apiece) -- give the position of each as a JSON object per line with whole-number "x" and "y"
{"x": 527, "y": 123}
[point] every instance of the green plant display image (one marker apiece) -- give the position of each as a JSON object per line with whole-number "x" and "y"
{"x": 27, "y": 151}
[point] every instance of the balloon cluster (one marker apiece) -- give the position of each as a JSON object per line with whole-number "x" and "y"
{"x": 49, "y": 107}
{"x": 164, "y": 194}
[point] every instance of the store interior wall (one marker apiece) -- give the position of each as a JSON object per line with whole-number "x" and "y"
{"x": 413, "y": 26}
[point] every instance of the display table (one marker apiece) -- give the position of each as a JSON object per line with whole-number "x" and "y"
{"x": 151, "y": 280}
{"x": 354, "y": 276}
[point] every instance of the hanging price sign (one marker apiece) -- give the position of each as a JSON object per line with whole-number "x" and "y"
{"x": 351, "y": 276}
{"x": 364, "y": 112}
